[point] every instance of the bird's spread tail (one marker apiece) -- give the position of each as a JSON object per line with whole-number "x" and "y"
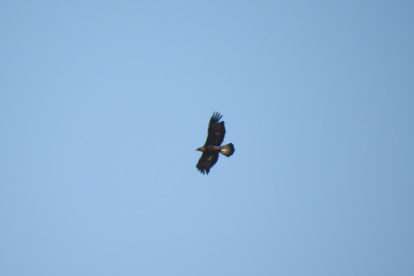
{"x": 227, "y": 150}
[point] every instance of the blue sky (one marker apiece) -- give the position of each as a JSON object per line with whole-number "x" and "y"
{"x": 103, "y": 104}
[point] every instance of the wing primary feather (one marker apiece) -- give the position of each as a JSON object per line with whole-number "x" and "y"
{"x": 215, "y": 118}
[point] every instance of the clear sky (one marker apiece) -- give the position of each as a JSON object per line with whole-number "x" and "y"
{"x": 103, "y": 103}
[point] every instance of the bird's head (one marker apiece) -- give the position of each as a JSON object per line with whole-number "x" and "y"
{"x": 200, "y": 149}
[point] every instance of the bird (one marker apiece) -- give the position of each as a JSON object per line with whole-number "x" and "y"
{"x": 212, "y": 148}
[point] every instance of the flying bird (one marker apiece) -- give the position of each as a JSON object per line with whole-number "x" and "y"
{"x": 212, "y": 148}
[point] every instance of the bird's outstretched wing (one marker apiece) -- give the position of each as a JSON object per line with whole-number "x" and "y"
{"x": 216, "y": 130}
{"x": 207, "y": 160}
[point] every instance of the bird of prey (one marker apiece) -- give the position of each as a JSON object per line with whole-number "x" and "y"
{"x": 212, "y": 148}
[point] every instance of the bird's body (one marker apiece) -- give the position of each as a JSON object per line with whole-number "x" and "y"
{"x": 212, "y": 147}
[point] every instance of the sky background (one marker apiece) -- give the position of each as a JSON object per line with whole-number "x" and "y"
{"x": 103, "y": 103}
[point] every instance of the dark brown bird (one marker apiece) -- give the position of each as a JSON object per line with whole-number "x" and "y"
{"x": 212, "y": 148}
